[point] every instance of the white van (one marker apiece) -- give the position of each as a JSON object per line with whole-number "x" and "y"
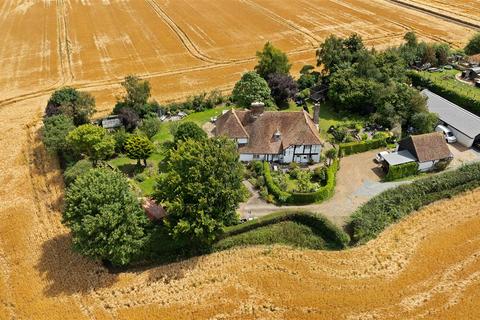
{"x": 447, "y": 133}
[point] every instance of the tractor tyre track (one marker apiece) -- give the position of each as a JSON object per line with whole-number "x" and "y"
{"x": 64, "y": 43}
{"x": 191, "y": 47}
{"x": 442, "y": 16}
{"x": 310, "y": 36}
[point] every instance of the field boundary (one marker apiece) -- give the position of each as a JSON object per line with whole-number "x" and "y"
{"x": 440, "y": 15}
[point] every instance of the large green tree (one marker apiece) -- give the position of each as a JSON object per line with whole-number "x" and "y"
{"x": 136, "y": 97}
{"x": 250, "y": 88}
{"x": 424, "y": 122}
{"x": 473, "y": 46}
{"x": 271, "y": 60}
{"x": 78, "y": 105}
{"x": 188, "y": 130}
{"x": 335, "y": 51}
{"x": 105, "y": 217}
{"x": 200, "y": 188}
{"x": 139, "y": 147}
{"x": 55, "y": 131}
{"x": 93, "y": 141}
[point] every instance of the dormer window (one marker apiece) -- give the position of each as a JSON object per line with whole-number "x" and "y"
{"x": 277, "y": 136}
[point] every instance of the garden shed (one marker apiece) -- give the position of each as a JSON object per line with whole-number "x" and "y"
{"x": 464, "y": 124}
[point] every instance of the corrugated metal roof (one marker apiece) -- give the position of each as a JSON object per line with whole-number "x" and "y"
{"x": 453, "y": 115}
{"x": 400, "y": 157}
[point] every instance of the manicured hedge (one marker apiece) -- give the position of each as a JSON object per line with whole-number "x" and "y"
{"x": 465, "y": 101}
{"x": 390, "y": 206}
{"x": 361, "y": 146}
{"x": 272, "y": 187}
{"x": 322, "y": 226}
{"x": 321, "y": 194}
{"x": 401, "y": 171}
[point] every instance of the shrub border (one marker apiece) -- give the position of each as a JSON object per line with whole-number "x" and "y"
{"x": 350, "y": 148}
{"x": 321, "y": 194}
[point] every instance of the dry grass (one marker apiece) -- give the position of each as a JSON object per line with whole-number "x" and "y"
{"x": 426, "y": 265}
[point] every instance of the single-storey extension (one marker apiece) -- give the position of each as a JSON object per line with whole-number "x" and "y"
{"x": 273, "y": 136}
{"x": 464, "y": 124}
{"x": 425, "y": 149}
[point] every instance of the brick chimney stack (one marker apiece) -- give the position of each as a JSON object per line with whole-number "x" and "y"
{"x": 257, "y": 109}
{"x": 316, "y": 113}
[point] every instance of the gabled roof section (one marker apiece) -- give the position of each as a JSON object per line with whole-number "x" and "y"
{"x": 295, "y": 128}
{"x": 426, "y": 147}
{"x": 228, "y": 124}
{"x": 453, "y": 115}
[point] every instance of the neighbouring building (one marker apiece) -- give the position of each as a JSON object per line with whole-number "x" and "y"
{"x": 271, "y": 135}
{"x": 471, "y": 73}
{"x": 111, "y": 122}
{"x": 425, "y": 149}
{"x": 464, "y": 124}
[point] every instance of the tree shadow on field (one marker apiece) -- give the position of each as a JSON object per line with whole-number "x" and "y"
{"x": 68, "y": 272}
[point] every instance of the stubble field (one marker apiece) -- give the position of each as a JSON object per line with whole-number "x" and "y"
{"x": 426, "y": 266}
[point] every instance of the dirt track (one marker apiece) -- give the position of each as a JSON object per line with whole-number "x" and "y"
{"x": 425, "y": 266}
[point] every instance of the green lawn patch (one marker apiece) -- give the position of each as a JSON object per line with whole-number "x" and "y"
{"x": 444, "y": 84}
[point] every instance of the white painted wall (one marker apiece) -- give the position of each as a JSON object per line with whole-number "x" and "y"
{"x": 426, "y": 166}
{"x": 286, "y": 157}
{"x": 242, "y": 140}
{"x": 462, "y": 138}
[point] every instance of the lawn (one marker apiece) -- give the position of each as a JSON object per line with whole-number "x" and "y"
{"x": 447, "y": 79}
{"x": 127, "y": 165}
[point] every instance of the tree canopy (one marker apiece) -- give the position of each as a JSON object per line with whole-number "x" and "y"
{"x": 473, "y": 46}
{"x": 335, "y": 51}
{"x": 200, "y": 187}
{"x": 150, "y": 126}
{"x": 139, "y": 147}
{"x": 424, "y": 122}
{"x": 78, "y": 105}
{"x": 250, "y": 88}
{"x": 282, "y": 87}
{"x": 105, "y": 217}
{"x": 92, "y": 141}
{"x": 271, "y": 60}
{"x": 188, "y": 130}
{"x": 55, "y": 131}
{"x": 136, "y": 97}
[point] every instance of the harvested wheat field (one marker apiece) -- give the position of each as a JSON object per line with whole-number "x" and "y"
{"x": 426, "y": 266}
{"x": 464, "y": 10}
{"x": 179, "y": 44}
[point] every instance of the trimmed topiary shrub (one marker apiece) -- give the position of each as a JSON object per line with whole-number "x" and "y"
{"x": 401, "y": 171}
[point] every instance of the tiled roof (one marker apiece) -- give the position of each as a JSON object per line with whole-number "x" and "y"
{"x": 426, "y": 147}
{"x": 296, "y": 128}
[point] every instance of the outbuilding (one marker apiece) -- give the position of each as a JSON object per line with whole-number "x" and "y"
{"x": 464, "y": 124}
{"x": 428, "y": 150}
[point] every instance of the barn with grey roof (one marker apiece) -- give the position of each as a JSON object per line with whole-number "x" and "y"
{"x": 464, "y": 124}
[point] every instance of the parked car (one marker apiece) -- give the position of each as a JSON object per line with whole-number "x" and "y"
{"x": 447, "y": 133}
{"x": 476, "y": 145}
{"x": 380, "y": 156}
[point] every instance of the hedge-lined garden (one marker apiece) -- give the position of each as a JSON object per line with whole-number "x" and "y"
{"x": 321, "y": 194}
{"x": 350, "y": 148}
{"x": 463, "y": 95}
{"x": 401, "y": 171}
{"x": 392, "y": 205}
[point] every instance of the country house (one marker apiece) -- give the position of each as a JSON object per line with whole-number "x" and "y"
{"x": 273, "y": 136}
